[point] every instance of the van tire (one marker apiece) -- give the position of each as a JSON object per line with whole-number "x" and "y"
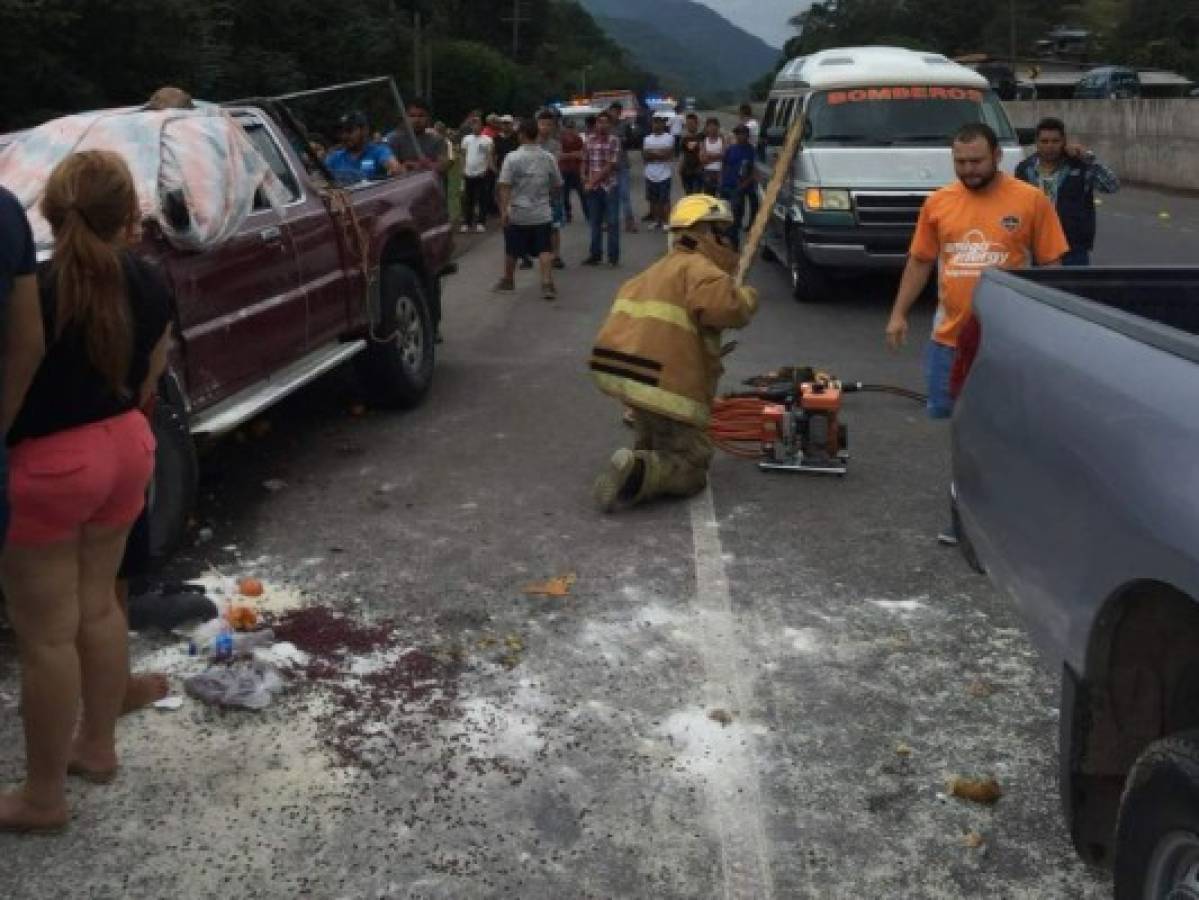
{"x": 172, "y": 494}
{"x": 808, "y": 283}
{"x": 397, "y": 373}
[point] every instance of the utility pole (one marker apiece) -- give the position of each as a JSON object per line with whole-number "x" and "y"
{"x": 1012, "y": 36}
{"x": 416, "y": 54}
{"x": 517, "y": 18}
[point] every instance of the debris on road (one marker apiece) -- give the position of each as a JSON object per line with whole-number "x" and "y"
{"x": 322, "y": 632}
{"x": 250, "y": 587}
{"x": 274, "y": 485}
{"x": 169, "y": 704}
{"x": 723, "y": 716}
{"x": 973, "y": 840}
{"x": 553, "y": 587}
{"x": 979, "y": 688}
{"x": 978, "y": 790}
{"x": 245, "y": 685}
{"x": 903, "y": 750}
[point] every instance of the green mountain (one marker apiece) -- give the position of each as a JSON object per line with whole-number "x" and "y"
{"x": 689, "y": 46}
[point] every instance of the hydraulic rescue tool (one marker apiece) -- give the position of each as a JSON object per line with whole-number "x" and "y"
{"x": 790, "y": 420}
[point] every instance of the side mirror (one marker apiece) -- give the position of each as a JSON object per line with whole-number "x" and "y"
{"x": 175, "y": 206}
{"x": 1026, "y": 136}
{"x": 776, "y": 137}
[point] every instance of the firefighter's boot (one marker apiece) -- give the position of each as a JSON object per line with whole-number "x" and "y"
{"x": 620, "y": 482}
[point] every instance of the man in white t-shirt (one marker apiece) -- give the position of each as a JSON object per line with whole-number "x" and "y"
{"x": 748, "y": 120}
{"x": 658, "y": 152}
{"x": 478, "y": 162}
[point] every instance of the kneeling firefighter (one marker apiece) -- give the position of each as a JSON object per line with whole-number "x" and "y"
{"x": 659, "y": 354}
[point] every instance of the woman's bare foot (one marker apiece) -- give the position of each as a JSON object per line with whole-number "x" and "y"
{"x": 142, "y": 690}
{"x": 93, "y": 763}
{"x": 18, "y": 813}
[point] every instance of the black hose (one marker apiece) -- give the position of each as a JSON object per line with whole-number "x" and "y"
{"x": 858, "y": 387}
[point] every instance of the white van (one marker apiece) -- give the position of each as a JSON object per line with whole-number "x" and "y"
{"x": 879, "y": 121}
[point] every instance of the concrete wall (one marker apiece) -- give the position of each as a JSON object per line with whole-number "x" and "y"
{"x": 1152, "y": 142}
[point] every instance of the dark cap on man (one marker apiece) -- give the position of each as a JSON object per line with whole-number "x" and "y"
{"x": 354, "y": 119}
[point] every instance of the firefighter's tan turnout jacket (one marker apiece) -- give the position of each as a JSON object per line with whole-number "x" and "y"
{"x": 659, "y": 349}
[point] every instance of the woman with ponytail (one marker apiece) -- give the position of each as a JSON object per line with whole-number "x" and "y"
{"x": 81, "y": 455}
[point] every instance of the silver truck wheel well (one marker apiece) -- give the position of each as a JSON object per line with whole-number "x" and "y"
{"x": 1142, "y": 672}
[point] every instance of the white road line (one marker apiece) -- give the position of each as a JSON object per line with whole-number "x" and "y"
{"x": 734, "y": 798}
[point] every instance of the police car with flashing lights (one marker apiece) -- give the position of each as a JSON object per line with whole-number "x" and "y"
{"x": 877, "y": 128}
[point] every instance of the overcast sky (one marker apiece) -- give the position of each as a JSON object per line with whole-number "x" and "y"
{"x": 765, "y": 18}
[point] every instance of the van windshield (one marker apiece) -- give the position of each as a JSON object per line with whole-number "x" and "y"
{"x": 901, "y": 115}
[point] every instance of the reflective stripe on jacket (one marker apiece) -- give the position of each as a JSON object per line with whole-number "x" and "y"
{"x": 659, "y": 348}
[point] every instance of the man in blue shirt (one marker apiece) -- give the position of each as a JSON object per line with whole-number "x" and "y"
{"x": 21, "y": 321}
{"x": 359, "y": 159}
{"x": 737, "y": 179}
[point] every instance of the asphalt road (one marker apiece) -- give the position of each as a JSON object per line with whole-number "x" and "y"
{"x": 757, "y": 693}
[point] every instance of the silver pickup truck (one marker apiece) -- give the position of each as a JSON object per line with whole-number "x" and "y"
{"x": 1076, "y": 473}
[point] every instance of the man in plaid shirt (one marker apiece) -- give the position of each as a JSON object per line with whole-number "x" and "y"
{"x": 601, "y": 156}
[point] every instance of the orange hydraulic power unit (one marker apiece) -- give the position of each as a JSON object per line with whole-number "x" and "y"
{"x": 794, "y": 419}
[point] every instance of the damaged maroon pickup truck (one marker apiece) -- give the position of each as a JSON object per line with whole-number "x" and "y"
{"x": 332, "y": 274}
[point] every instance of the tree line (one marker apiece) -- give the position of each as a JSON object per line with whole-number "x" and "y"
{"x": 63, "y": 56}
{"x": 1151, "y": 33}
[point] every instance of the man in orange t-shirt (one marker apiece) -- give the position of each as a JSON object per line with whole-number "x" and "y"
{"x": 986, "y": 219}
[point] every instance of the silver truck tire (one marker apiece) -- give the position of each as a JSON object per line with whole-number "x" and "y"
{"x": 1157, "y": 835}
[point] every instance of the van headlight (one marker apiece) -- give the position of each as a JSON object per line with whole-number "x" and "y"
{"x": 830, "y": 199}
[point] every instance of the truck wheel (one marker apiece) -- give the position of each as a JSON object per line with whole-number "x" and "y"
{"x": 1157, "y": 835}
{"x": 172, "y": 494}
{"x": 808, "y": 283}
{"x": 396, "y": 368}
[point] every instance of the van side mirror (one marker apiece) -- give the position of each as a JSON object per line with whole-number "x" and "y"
{"x": 1026, "y": 136}
{"x": 776, "y": 137}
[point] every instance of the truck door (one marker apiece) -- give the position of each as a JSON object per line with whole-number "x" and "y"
{"x": 242, "y": 308}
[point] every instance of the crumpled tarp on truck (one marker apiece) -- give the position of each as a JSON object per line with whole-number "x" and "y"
{"x": 202, "y": 152}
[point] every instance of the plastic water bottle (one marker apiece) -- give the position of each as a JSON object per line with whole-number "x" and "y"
{"x": 222, "y": 647}
{"x": 245, "y": 643}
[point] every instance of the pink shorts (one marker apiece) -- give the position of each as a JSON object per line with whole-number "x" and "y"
{"x": 95, "y": 474}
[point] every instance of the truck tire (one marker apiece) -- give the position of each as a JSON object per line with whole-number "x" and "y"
{"x": 396, "y": 369}
{"x": 808, "y": 283}
{"x": 1157, "y": 835}
{"x": 172, "y": 494}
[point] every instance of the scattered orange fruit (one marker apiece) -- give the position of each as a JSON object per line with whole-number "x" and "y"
{"x": 250, "y": 587}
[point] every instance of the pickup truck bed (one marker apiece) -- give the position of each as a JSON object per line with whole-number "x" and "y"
{"x": 1076, "y": 473}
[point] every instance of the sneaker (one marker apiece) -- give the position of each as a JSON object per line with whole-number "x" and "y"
{"x": 610, "y": 484}
{"x": 463, "y": 229}
{"x": 558, "y": 264}
{"x": 526, "y": 263}
{"x": 548, "y": 291}
{"x": 614, "y": 263}
{"x": 592, "y": 261}
{"x": 504, "y": 284}
{"x": 480, "y": 228}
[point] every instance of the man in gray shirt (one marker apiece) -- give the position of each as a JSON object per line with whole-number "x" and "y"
{"x": 431, "y": 153}
{"x": 529, "y": 183}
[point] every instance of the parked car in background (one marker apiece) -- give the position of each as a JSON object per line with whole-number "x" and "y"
{"x": 1109, "y": 83}
{"x": 1077, "y": 491}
